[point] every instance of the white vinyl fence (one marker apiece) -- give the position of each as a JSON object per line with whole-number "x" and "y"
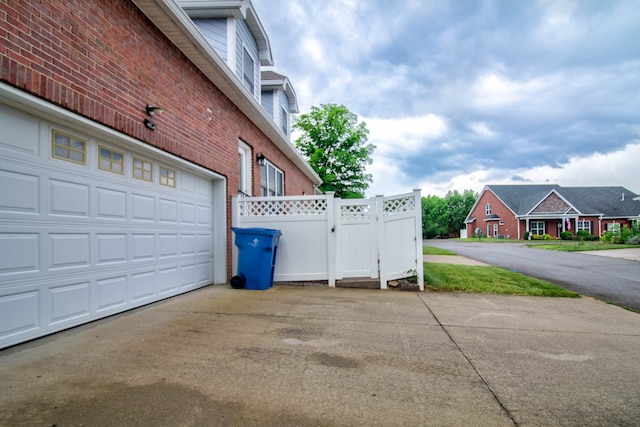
{"x": 326, "y": 238}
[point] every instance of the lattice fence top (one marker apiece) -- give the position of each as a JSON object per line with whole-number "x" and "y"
{"x": 400, "y": 205}
{"x": 282, "y": 207}
{"x": 355, "y": 211}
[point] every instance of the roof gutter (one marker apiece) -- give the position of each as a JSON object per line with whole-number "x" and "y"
{"x": 174, "y": 23}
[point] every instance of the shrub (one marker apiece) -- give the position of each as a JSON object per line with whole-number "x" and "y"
{"x": 566, "y": 235}
{"x": 526, "y": 235}
{"x": 583, "y": 233}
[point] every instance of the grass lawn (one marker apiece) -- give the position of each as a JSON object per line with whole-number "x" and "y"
{"x": 565, "y": 246}
{"x": 430, "y": 250}
{"x": 487, "y": 280}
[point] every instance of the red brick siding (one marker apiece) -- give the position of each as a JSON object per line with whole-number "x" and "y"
{"x": 510, "y": 226}
{"x": 104, "y": 60}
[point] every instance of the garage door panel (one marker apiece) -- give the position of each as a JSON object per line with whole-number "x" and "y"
{"x": 19, "y": 192}
{"x": 78, "y": 243}
{"x": 168, "y": 281}
{"x": 112, "y": 248}
{"x": 19, "y": 253}
{"x": 205, "y": 244}
{"x": 68, "y": 198}
{"x": 112, "y": 204}
{"x": 187, "y": 276}
{"x": 69, "y": 303}
{"x": 143, "y": 208}
{"x": 19, "y": 132}
{"x": 204, "y": 273}
{"x": 19, "y": 314}
{"x": 168, "y": 245}
{"x": 144, "y": 246}
{"x": 69, "y": 250}
{"x": 167, "y": 211}
{"x": 204, "y": 215}
{"x": 188, "y": 244}
{"x": 111, "y": 293}
{"x": 187, "y": 213}
{"x": 143, "y": 285}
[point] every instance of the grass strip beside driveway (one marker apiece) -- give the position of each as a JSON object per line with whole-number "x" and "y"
{"x": 431, "y": 250}
{"x": 579, "y": 246}
{"x": 488, "y": 280}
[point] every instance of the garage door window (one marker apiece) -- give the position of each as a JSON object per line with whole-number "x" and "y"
{"x": 167, "y": 177}
{"x": 68, "y": 147}
{"x": 110, "y": 160}
{"x": 142, "y": 169}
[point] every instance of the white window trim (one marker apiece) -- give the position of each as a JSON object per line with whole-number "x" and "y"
{"x": 487, "y": 208}
{"x": 537, "y": 222}
{"x": 245, "y": 172}
{"x": 264, "y": 190}
{"x": 253, "y": 71}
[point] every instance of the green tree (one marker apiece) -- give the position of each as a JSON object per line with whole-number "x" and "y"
{"x": 334, "y": 142}
{"x": 445, "y": 216}
{"x": 435, "y": 217}
{"x": 459, "y": 207}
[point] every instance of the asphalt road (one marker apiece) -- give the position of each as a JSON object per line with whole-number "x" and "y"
{"x": 608, "y": 279}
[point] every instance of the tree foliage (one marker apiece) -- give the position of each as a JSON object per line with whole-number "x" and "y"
{"x": 334, "y": 142}
{"x": 445, "y": 216}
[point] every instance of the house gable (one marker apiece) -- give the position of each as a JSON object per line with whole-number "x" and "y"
{"x": 553, "y": 204}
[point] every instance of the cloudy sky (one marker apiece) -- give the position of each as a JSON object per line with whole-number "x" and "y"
{"x": 457, "y": 94}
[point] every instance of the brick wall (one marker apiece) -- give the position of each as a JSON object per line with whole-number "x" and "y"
{"x": 510, "y": 226}
{"x": 104, "y": 60}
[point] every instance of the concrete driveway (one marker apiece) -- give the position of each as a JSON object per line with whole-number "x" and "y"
{"x": 333, "y": 357}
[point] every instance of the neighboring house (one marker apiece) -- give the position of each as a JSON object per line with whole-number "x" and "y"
{"x": 106, "y": 204}
{"x": 509, "y": 211}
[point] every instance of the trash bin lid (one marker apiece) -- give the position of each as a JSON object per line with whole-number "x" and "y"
{"x": 259, "y": 231}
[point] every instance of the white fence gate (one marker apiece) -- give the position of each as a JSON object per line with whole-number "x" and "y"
{"x": 325, "y": 238}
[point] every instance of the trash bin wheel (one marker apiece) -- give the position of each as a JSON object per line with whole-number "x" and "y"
{"x": 238, "y": 282}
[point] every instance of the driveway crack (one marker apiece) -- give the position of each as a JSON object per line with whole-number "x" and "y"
{"x": 495, "y": 396}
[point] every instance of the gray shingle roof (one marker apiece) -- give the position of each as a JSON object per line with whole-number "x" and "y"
{"x": 606, "y": 201}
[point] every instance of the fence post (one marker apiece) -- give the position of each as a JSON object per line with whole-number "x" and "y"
{"x": 331, "y": 238}
{"x": 382, "y": 252}
{"x": 418, "y": 221}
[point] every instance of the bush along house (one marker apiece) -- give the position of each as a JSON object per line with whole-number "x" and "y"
{"x": 525, "y": 211}
{"x": 125, "y": 130}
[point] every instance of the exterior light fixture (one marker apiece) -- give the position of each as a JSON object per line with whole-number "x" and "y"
{"x": 153, "y": 110}
{"x": 149, "y": 124}
{"x": 261, "y": 159}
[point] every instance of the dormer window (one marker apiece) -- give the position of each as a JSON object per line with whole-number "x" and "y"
{"x": 248, "y": 70}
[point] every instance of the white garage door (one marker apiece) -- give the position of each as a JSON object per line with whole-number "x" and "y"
{"x": 89, "y": 228}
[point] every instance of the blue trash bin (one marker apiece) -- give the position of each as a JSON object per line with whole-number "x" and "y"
{"x": 257, "y": 249}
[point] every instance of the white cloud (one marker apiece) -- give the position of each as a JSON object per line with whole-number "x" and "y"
{"x": 404, "y": 136}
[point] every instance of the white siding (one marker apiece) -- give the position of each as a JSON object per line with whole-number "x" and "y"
{"x": 215, "y": 31}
